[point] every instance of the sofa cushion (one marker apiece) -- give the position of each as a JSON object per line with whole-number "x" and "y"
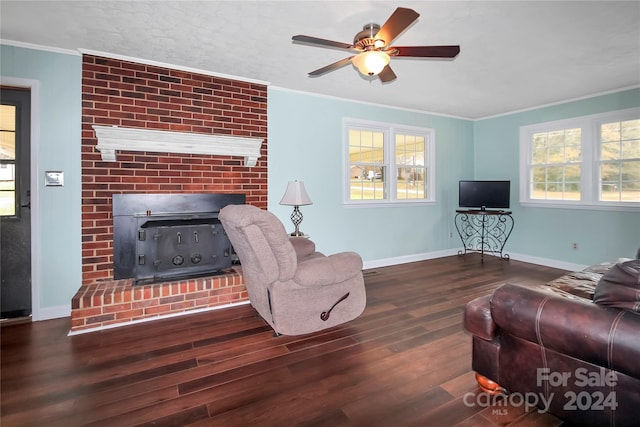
{"x": 620, "y": 287}
{"x": 578, "y": 283}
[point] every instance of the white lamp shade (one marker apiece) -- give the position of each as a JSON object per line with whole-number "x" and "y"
{"x": 371, "y": 63}
{"x": 296, "y": 195}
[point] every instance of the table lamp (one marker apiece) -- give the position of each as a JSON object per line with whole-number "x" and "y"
{"x": 296, "y": 196}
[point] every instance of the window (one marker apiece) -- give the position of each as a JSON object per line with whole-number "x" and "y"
{"x": 619, "y": 161}
{"x": 555, "y": 164}
{"x": 7, "y": 160}
{"x": 591, "y": 161}
{"x": 388, "y": 163}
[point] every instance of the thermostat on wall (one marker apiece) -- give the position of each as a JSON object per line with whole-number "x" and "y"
{"x": 54, "y": 178}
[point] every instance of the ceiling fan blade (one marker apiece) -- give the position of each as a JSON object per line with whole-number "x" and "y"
{"x": 399, "y": 20}
{"x": 387, "y": 74}
{"x": 331, "y": 67}
{"x": 321, "y": 42}
{"x": 425, "y": 51}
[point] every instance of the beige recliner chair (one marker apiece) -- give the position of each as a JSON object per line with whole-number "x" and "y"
{"x": 294, "y": 288}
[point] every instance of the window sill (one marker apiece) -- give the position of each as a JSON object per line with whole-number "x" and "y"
{"x": 632, "y": 207}
{"x": 388, "y": 204}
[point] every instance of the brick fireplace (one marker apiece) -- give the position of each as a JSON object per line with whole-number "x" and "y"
{"x": 134, "y": 95}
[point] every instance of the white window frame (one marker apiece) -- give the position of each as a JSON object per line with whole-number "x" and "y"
{"x": 390, "y": 130}
{"x": 590, "y": 163}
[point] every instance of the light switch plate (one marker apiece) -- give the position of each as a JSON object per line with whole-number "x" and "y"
{"x": 54, "y": 178}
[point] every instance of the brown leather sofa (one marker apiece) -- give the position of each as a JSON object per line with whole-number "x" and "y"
{"x": 570, "y": 347}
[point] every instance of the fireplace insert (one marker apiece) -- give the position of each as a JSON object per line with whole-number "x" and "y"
{"x": 166, "y": 237}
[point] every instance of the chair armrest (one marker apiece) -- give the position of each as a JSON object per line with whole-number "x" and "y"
{"x": 327, "y": 270}
{"x": 346, "y": 265}
{"x": 303, "y": 246}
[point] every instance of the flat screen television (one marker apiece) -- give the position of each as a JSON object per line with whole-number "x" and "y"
{"x": 484, "y": 194}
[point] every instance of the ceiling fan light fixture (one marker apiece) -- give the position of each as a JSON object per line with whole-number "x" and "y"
{"x": 378, "y": 43}
{"x": 373, "y": 50}
{"x": 371, "y": 63}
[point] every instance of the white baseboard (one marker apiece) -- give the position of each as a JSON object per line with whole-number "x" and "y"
{"x": 48, "y": 313}
{"x": 553, "y": 263}
{"x": 408, "y": 258}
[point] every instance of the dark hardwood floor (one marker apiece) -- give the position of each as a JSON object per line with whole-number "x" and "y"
{"x": 405, "y": 361}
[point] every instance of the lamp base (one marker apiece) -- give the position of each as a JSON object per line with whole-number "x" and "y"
{"x": 296, "y": 218}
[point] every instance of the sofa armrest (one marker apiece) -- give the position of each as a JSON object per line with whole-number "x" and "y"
{"x": 477, "y": 318}
{"x": 327, "y": 270}
{"x": 570, "y": 325}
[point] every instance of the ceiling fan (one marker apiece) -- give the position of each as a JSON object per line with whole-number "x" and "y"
{"x": 372, "y": 50}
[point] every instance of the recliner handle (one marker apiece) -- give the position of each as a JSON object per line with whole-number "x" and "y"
{"x": 325, "y": 314}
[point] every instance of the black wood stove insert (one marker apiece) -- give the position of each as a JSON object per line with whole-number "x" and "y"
{"x": 167, "y": 237}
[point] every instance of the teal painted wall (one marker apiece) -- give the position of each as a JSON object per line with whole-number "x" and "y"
{"x": 58, "y": 208}
{"x": 549, "y": 232}
{"x": 306, "y": 143}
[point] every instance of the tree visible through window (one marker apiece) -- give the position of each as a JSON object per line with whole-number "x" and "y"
{"x": 555, "y": 166}
{"x": 620, "y": 161}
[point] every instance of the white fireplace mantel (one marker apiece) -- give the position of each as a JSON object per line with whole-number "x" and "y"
{"x": 112, "y": 138}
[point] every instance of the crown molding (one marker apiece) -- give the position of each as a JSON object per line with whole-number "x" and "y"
{"x": 171, "y": 66}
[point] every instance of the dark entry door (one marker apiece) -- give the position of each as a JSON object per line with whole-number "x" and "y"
{"x": 15, "y": 203}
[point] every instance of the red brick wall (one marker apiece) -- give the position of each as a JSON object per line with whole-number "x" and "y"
{"x": 135, "y": 95}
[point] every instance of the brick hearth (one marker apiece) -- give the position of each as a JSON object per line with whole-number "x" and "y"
{"x": 113, "y": 302}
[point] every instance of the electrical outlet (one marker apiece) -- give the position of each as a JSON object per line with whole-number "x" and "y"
{"x": 575, "y": 246}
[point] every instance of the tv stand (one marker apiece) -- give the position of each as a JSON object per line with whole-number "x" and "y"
{"x": 484, "y": 231}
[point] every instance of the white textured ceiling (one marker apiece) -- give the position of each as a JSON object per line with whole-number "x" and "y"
{"x": 514, "y": 54}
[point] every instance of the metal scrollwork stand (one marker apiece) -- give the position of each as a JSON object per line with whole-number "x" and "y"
{"x": 484, "y": 231}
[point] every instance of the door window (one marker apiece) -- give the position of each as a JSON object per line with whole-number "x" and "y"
{"x": 7, "y": 160}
